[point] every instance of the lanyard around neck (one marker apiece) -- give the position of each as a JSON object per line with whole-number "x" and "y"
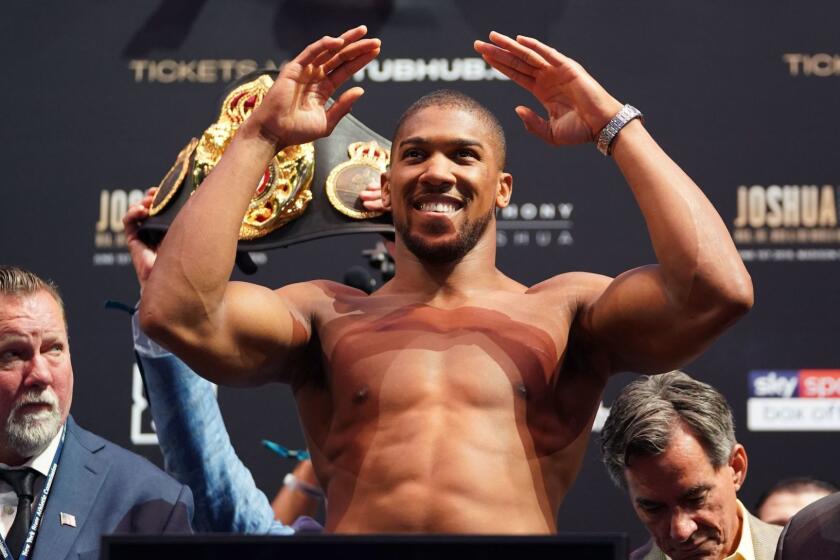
{"x": 39, "y": 509}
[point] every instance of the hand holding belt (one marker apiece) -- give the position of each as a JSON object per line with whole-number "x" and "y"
{"x": 307, "y": 192}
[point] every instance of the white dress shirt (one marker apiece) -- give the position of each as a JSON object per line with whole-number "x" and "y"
{"x": 9, "y": 500}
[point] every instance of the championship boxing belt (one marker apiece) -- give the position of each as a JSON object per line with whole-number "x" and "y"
{"x": 306, "y": 192}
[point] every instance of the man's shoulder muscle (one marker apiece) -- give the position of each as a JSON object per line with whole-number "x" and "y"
{"x": 576, "y": 289}
{"x": 573, "y": 281}
{"x": 309, "y": 296}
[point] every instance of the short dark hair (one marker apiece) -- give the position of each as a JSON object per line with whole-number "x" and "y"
{"x": 459, "y": 100}
{"x": 643, "y": 417}
{"x": 17, "y": 281}
{"x": 796, "y": 485}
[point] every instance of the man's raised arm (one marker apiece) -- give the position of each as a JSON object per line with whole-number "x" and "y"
{"x": 241, "y": 331}
{"x": 653, "y": 318}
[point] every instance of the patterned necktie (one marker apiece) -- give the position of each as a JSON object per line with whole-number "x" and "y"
{"x": 22, "y": 481}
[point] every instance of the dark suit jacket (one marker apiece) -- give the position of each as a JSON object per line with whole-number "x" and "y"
{"x": 108, "y": 490}
{"x": 814, "y": 532}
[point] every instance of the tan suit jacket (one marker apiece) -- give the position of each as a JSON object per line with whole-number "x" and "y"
{"x": 764, "y": 538}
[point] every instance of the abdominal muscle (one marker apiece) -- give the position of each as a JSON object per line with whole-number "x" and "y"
{"x": 424, "y": 441}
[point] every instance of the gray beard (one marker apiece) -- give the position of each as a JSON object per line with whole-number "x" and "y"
{"x": 442, "y": 254}
{"x": 29, "y": 434}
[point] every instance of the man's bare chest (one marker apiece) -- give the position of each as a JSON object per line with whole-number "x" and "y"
{"x": 367, "y": 341}
{"x": 415, "y": 366}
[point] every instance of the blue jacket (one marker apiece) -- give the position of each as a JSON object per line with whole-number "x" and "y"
{"x": 197, "y": 450}
{"x": 108, "y": 490}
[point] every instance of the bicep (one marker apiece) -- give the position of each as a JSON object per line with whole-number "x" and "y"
{"x": 248, "y": 339}
{"x": 631, "y": 324}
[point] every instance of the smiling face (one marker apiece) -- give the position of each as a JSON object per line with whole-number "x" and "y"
{"x": 688, "y": 505}
{"x": 445, "y": 183}
{"x": 36, "y": 377}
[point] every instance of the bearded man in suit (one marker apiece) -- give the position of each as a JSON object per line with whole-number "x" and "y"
{"x": 61, "y": 486}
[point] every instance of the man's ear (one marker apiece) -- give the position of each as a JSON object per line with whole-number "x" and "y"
{"x": 504, "y": 190}
{"x": 738, "y": 462}
{"x": 385, "y": 181}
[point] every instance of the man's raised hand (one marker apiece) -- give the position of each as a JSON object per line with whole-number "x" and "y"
{"x": 578, "y": 107}
{"x": 142, "y": 256}
{"x": 294, "y": 110}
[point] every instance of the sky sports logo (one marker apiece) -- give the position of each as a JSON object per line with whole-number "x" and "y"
{"x": 801, "y": 383}
{"x": 794, "y": 400}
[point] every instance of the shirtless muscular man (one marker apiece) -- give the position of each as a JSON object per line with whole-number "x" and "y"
{"x": 454, "y": 399}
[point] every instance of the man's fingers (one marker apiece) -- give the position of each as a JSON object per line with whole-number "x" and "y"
{"x": 534, "y": 123}
{"x": 351, "y": 52}
{"x": 501, "y": 56}
{"x": 372, "y": 198}
{"x": 371, "y": 193}
{"x": 373, "y": 205}
{"x": 346, "y": 38}
{"x": 135, "y": 214}
{"x": 374, "y": 187}
{"x": 149, "y": 197}
{"x": 524, "y": 53}
{"x": 355, "y": 33}
{"x": 552, "y": 55}
{"x": 136, "y": 210}
{"x": 318, "y": 49}
{"x": 518, "y": 77}
{"x": 343, "y": 72}
{"x": 342, "y": 106}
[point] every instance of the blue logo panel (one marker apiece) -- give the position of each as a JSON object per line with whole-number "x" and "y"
{"x": 768, "y": 383}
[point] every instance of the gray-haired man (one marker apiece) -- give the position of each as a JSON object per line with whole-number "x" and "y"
{"x": 670, "y": 442}
{"x": 94, "y": 486}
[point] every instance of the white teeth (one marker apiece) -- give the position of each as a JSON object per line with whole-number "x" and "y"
{"x": 442, "y": 207}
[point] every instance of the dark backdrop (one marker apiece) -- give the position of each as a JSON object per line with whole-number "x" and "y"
{"x": 98, "y": 97}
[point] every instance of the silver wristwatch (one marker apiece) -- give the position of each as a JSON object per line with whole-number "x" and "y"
{"x": 619, "y": 121}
